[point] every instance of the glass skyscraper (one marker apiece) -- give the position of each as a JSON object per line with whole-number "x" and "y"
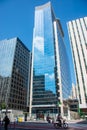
{"x": 78, "y": 38}
{"x": 14, "y": 73}
{"x": 50, "y": 82}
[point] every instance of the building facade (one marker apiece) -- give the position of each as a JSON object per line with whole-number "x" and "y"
{"x": 14, "y": 74}
{"x": 73, "y": 92}
{"x": 50, "y": 68}
{"x": 78, "y": 38}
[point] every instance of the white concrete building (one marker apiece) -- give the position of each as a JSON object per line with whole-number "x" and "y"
{"x": 77, "y": 30}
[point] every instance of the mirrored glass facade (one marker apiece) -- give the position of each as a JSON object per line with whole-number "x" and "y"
{"x": 64, "y": 64}
{"x": 49, "y": 72}
{"x": 6, "y": 57}
{"x": 14, "y": 73}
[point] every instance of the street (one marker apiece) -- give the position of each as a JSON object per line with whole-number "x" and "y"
{"x": 42, "y": 126}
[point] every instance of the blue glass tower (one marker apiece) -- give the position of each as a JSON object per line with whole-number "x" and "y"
{"x": 50, "y": 69}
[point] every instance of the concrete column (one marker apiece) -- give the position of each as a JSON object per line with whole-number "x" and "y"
{"x": 68, "y": 113}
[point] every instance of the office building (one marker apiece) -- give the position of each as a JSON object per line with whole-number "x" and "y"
{"x": 14, "y": 74}
{"x": 77, "y": 30}
{"x": 73, "y": 92}
{"x": 50, "y": 66}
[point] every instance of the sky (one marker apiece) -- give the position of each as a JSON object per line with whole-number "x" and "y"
{"x": 17, "y": 18}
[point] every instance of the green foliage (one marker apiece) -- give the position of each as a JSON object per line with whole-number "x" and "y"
{"x": 3, "y": 105}
{"x": 81, "y": 114}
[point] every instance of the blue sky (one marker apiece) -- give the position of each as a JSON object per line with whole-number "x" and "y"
{"x": 17, "y": 17}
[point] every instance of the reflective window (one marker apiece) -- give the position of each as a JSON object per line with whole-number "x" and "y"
{"x": 44, "y": 60}
{"x": 6, "y": 57}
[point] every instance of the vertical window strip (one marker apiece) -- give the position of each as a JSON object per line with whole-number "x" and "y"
{"x": 74, "y": 62}
{"x": 72, "y": 49}
{"x": 85, "y": 23}
{"x": 85, "y": 44}
{"x": 79, "y": 58}
{"x": 81, "y": 40}
{"x": 78, "y": 51}
{"x": 83, "y": 31}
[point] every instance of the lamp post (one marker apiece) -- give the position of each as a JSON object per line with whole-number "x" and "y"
{"x": 53, "y": 110}
{"x": 6, "y": 109}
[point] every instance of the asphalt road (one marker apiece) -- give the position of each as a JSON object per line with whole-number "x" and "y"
{"x": 42, "y": 126}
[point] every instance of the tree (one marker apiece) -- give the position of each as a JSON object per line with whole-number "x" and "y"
{"x": 2, "y": 105}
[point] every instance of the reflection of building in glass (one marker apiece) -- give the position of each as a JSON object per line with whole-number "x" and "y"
{"x": 14, "y": 73}
{"x": 73, "y": 92}
{"x": 78, "y": 37}
{"x": 50, "y": 68}
{"x": 4, "y": 88}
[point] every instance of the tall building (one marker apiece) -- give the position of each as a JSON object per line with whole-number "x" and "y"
{"x": 78, "y": 38}
{"x": 14, "y": 73}
{"x": 73, "y": 92}
{"x": 50, "y": 67}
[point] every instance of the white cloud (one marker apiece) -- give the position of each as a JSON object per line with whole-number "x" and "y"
{"x": 39, "y": 43}
{"x": 50, "y": 76}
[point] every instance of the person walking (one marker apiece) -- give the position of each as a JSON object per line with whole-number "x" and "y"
{"x": 48, "y": 118}
{"x": 6, "y": 122}
{"x": 0, "y": 121}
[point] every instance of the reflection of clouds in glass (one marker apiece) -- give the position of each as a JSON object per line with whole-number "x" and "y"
{"x": 39, "y": 43}
{"x": 50, "y": 76}
{"x": 7, "y": 48}
{"x": 36, "y": 56}
{"x": 6, "y": 71}
{"x": 50, "y": 82}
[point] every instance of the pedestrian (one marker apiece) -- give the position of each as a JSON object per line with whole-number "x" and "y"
{"x": 0, "y": 120}
{"x": 48, "y": 118}
{"x": 59, "y": 119}
{"x": 6, "y": 122}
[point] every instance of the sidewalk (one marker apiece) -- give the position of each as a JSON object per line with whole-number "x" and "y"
{"x": 38, "y": 121}
{"x": 81, "y": 121}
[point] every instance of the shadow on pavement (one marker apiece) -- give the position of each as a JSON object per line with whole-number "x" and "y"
{"x": 82, "y": 122}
